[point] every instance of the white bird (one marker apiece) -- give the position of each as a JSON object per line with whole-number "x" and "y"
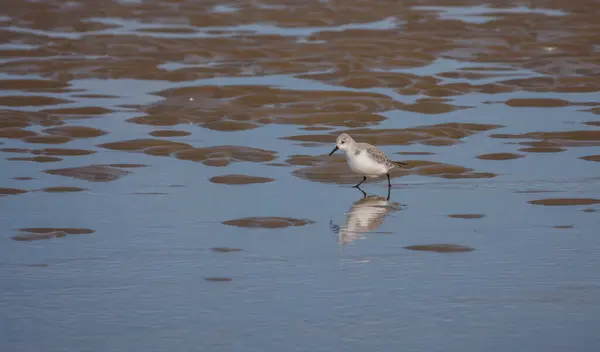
{"x": 365, "y": 159}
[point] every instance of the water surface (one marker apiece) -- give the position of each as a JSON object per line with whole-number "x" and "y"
{"x": 165, "y": 184}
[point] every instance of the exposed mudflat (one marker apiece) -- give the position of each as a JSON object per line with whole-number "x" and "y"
{"x": 240, "y": 179}
{"x": 34, "y": 234}
{"x": 440, "y": 248}
{"x": 267, "y": 222}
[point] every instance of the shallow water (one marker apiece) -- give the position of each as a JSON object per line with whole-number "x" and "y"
{"x": 165, "y": 185}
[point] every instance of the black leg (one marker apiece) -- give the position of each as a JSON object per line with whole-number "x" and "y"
{"x": 360, "y": 183}
{"x": 389, "y": 182}
{"x": 388, "y": 196}
{"x": 363, "y": 192}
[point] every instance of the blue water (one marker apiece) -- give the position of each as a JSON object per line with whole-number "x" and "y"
{"x": 138, "y": 282}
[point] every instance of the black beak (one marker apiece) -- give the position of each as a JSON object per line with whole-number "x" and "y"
{"x": 334, "y": 150}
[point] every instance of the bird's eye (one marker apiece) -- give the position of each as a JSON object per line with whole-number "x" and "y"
{"x": 342, "y": 142}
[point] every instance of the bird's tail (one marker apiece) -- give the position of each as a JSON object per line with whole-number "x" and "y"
{"x": 398, "y": 163}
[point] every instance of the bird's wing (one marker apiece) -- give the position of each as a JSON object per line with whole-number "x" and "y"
{"x": 377, "y": 154}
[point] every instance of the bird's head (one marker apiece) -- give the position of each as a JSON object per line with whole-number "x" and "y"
{"x": 343, "y": 142}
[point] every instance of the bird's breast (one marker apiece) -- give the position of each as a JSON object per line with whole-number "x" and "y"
{"x": 361, "y": 163}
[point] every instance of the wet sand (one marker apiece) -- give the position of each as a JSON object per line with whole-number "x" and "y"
{"x": 34, "y": 234}
{"x": 440, "y": 248}
{"x": 165, "y": 184}
{"x": 240, "y": 179}
{"x": 267, "y": 222}
{"x": 466, "y": 216}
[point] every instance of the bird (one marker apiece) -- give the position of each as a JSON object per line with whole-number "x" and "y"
{"x": 365, "y": 159}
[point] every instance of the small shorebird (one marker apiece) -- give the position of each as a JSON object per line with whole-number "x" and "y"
{"x": 365, "y": 159}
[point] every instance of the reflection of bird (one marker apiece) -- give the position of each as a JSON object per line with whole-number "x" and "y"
{"x": 365, "y": 215}
{"x": 365, "y": 159}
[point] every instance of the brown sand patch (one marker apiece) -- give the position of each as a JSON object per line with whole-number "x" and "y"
{"x": 542, "y": 150}
{"x": 548, "y": 141}
{"x": 466, "y": 216}
{"x": 540, "y": 144}
{"x": 60, "y": 189}
{"x": 168, "y": 30}
{"x": 545, "y": 103}
{"x": 21, "y": 119}
{"x": 9, "y": 122}
{"x": 432, "y": 107}
{"x": 356, "y": 119}
{"x": 327, "y": 173}
{"x": 595, "y": 110}
{"x": 500, "y": 156}
{"x": 216, "y": 162}
{"x": 50, "y": 139}
{"x": 441, "y": 134}
{"x": 75, "y": 131}
{"x": 532, "y": 191}
{"x": 218, "y": 279}
{"x": 10, "y": 191}
{"x": 239, "y": 179}
{"x": 233, "y": 108}
{"x": 224, "y": 155}
{"x": 23, "y": 101}
{"x": 448, "y": 90}
{"x": 268, "y": 222}
{"x": 465, "y": 74}
{"x": 37, "y": 159}
{"x": 556, "y": 84}
{"x": 127, "y": 166}
{"x": 446, "y": 170}
{"x": 91, "y": 173}
{"x": 157, "y": 147}
{"x": 15, "y": 133}
{"x": 80, "y": 111}
{"x": 563, "y": 226}
{"x": 34, "y": 234}
{"x": 96, "y": 96}
{"x": 565, "y": 201}
{"x": 589, "y": 210}
{"x": 316, "y": 128}
{"x": 310, "y": 160}
{"x": 593, "y": 123}
{"x": 440, "y": 248}
{"x": 225, "y": 249}
{"x": 310, "y": 144}
{"x": 63, "y": 152}
{"x": 23, "y": 178}
{"x": 415, "y": 153}
{"x": 579, "y": 136}
{"x": 169, "y": 133}
{"x": 49, "y": 151}
{"x": 595, "y": 158}
{"x": 31, "y": 85}
{"x": 410, "y": 83}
